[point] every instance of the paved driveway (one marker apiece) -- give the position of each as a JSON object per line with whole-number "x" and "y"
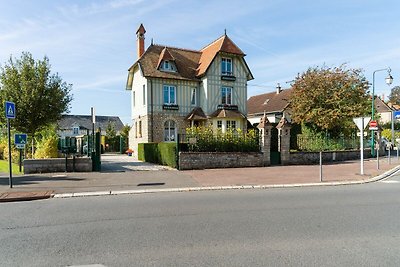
{"x": 123, "y": 163}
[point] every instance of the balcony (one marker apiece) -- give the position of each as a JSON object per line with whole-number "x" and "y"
{"x": 170, "y": 107}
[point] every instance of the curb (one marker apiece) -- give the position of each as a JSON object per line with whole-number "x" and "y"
{"x": 25, "y": 196}
{"x": 211, "y": 188}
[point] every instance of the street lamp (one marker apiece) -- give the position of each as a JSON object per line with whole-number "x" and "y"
{"x": 388, "y": 80}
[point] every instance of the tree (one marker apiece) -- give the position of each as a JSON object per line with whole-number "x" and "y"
{"x": 394, "y": 96}
{"x": 41, "y": 97}
{"x": 326, "y": 99}
{"x": 111, "y": 135}
{"x": 125, "y": 131}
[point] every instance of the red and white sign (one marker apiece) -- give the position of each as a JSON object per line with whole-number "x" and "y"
{"x": 373, "y": 124}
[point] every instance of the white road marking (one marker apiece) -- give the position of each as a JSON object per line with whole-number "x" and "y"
{"x": 390, "y": 181}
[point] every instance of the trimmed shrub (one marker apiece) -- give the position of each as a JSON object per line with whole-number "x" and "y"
{"x": 167, "y": 153}
{"x": 159, "y": 153}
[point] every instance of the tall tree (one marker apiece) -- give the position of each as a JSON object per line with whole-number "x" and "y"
{"x": 39, "y": 95}
{"x": 394, "y": 96}
{"x": 328, "y": 98}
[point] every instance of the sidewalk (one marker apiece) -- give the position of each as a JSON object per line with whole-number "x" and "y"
{"x": 124, "y": 174}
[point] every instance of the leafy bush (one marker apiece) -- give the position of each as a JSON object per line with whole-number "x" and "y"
{"x": 47, "y": 143}
{"x": 204, "y": 139}
{"x": 387, "y": 133}
{"x": 311, "y": 140}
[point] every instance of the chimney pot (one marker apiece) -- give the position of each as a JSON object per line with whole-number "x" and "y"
{"x": 140, "y": 40}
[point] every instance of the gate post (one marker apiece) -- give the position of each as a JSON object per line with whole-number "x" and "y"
{"x": 265, "y": 130}
{"x": 284, "y": 140}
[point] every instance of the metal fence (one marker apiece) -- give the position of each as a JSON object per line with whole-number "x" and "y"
{"x": 221, "y": 142}
{"x": 324, "y": 143}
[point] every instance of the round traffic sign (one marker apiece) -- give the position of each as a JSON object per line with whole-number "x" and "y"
{"x": 373, "y": 124}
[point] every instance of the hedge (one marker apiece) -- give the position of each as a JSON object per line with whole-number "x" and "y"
{"x": 159, "y": 153}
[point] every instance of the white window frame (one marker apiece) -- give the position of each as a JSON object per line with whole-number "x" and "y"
{"x": 227, "y": 69}
{"x": 169, "y": 89}
{"x": 169, "y": 131}
{"x": 224, "y": 99}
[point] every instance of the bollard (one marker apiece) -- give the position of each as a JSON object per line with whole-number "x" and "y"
{"x": 320, "y": 166}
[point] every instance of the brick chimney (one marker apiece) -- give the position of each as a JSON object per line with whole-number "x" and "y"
{"x": 140, "y": 40}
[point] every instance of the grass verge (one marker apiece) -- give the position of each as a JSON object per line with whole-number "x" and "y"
{"x": 15, "y": 167}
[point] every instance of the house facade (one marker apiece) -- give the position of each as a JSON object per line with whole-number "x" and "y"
{"x": 384, "y": 110}
{"x": 174, "y": 88}
{"x": 274, "y": 105}
{"x": 80, "y": 126}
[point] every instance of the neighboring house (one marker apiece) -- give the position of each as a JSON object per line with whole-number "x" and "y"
{"x": 174, "y": 88}
{"x": 384, "y": 110}
{"x": 78, "y": 126}
{"x": 273, "y": 104}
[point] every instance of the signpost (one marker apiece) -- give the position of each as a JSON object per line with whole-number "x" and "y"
{"x": 361, "y": 123}
{"x": 20, "y": 141}
{"x": 10, "y": 114}
{"x": 396, "y": 114}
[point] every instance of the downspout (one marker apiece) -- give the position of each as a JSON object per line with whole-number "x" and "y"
{"x": 151, "y": 110}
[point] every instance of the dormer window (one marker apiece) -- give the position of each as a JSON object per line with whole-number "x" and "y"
{"x": 167, "y": 65}
{"x": 226, "y": 66}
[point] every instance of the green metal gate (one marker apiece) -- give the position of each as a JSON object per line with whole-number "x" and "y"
{"x": 275, "y": 154}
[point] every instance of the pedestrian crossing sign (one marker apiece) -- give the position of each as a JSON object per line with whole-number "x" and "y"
{"x": 20, "y": 140}
{"x": 10, "y": 110}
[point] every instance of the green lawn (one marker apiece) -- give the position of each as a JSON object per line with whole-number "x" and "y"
{"x": 4, "y": 167}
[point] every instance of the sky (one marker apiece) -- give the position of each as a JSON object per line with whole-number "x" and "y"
{"x": 91, "y": 44}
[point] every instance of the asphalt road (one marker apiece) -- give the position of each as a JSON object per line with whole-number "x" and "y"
{"x": 355, "y": 225}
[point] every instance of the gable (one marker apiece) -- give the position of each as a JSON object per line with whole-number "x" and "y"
{"x": 189, "y": 64}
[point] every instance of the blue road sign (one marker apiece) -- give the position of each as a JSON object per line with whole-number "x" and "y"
{"x": 10, "y": 110}
{"x": 20, "y": 139}
{"x": 397, "y": 115}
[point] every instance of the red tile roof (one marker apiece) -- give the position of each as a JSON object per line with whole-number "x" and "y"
{"x": 269, "y": 102}
{"x": 191, "y": 64}
{"x": 226, "y": 113}
{"x": 208, "y": 53}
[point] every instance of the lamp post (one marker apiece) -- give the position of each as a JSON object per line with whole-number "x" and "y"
{"x": 388, "y": 80}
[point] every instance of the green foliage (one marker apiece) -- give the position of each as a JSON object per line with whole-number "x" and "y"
{"x": 167, "y": 154}
{"x": 206, "y": 140}
{"x": 40, "y": 96}
{"x": 159, "y": 153}
{"x": 394, "y": 96}
{"x": 125, "y": 131}
{"x": 46, "y": 143}
{"x": 4, "y": 167}
{"x": 387, "y": 133}
{"x": 112, "y": 140}
{"x": 327, "y": 99}
{"x": 312, "y": 140}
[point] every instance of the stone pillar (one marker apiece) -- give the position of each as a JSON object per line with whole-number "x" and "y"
{"x": 265, "y": 133}
{"x": 284, "y": 140}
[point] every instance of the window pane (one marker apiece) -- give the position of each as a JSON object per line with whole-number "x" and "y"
{"x": 166, "y": 95}
{"x": 233, "y": 124}
{"x": 229, "y": 96}
{"x": 219, "y": 124}
{"x": 229, "y": 66}
{"x": 193, "y": 98}
{"x": 223, "y": 95}
{"x": 172, "y": 95}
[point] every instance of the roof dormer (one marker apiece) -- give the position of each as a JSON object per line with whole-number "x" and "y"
{"x": 166, "y": 61}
